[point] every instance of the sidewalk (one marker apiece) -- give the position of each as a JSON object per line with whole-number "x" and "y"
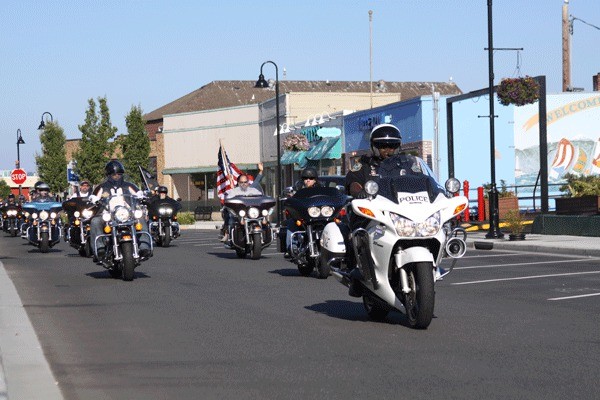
{"x": 558, "y": 244}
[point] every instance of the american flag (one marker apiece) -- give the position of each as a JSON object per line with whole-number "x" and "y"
{"x": 227, "y": 173}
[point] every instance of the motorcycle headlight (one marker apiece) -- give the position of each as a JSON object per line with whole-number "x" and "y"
{"x": 44, "y": 215}
{"x": 264, "y": 213}
{"x": 122, "y": 214}
{"x": 327, "y": 211}
{"x": 138, "y": 214}
{"x": 34, "y": 215}
{"x": 87, "y": 214}
{"x": 242, "y": 213}
{"x": 165, "y": 211}
{"x": 12, "y": 213}
{"x": 407, "y": 228}
{"x": 53, "y": 215}
{"x": 430, "y": 227}
{"x": 105, "y": 216}
{"x": 27, "y": 214}
{"x": 314, "y": 212}
{"x": 253, "y": 212}
{"x": 76, "y": 214}
{"x": 404, "y": 227}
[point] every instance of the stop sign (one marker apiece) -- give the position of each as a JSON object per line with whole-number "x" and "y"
{"x": 18, "y": 176}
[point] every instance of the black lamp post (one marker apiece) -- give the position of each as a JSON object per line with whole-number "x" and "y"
{"x": 20, "y": 141}
{"x": 42, "y": 123}
{"x": 262, "y": 83}
{"x": 494, "y": 231}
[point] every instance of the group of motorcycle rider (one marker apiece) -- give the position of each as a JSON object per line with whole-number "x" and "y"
{"x": 385, "y": 142}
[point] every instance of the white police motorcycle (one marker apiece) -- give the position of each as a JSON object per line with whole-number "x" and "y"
{"x": 400, "y": 234}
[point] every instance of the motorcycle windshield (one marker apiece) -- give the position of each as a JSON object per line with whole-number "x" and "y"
{"x": 316, "y": 197}
{"x": 408, "y": 175}
{"x": 243, "y": 202}
{"x": 157, "y": 204}
{"x": 42, "y": 205}
{"x": 115, "y": 201}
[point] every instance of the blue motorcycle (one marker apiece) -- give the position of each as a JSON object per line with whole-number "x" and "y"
{"x": 44, "y": 228}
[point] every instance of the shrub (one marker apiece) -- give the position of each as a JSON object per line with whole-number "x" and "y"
{"x": 578, "y": 185}
{"x": 186, "y": 218}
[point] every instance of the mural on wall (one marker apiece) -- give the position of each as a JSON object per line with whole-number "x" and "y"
{"x": 573, "y": 133}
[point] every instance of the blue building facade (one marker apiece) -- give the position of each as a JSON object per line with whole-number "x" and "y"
{"x": 415, "y": 119}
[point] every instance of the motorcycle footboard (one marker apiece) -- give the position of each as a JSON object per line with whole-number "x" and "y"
{"x": 362, "y": 252}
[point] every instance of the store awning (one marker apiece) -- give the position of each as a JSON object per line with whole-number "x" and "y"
{"x": 294, "y": 157}
{"x": 328, "y": 148}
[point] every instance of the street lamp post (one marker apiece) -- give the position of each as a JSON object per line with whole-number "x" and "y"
{"x": 494, "y": 231}
{"x": 262, "y": 83}
{"x": 42, "y": 123}
{"x": 20, "y": 141}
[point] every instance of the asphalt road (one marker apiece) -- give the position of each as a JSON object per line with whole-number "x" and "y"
{"x": 198, "y": 323}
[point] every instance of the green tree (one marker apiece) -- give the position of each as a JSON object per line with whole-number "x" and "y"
{"x": 4, "y": 189}
{"x": 52, "y": 163}
{"x": 95, "y": 149}
{"x": 135, "y": 146}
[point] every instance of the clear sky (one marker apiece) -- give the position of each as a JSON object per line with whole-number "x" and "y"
{"x": 57, "y": 54}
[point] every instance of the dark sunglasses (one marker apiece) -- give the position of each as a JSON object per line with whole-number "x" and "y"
{"x": 242, "y": 182}
{"x": 387, "y": 145}
{"x": 308, "y": 179}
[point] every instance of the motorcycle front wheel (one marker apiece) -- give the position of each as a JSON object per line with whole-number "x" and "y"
{"x": 166, "y": 239}
{"x": 256, "y": 248}
{"x": 44, "y": 242}
{"x": 128, "y": 260}
{"x": 420, "y": 301}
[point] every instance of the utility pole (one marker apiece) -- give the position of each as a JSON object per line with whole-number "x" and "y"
{"x": 371, "y": 55}
{"x": 566, "y": 47}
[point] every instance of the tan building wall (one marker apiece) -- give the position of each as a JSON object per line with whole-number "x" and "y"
{"x": 192, "y": 139}
{"x": 301, "y": 106}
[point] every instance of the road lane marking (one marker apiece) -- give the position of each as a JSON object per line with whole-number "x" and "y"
{"x": 527, "y": 263}
{"x": 525, "y": 277}
{"x": 575, "y": 297}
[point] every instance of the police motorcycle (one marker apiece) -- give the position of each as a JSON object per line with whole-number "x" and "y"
{"x": 11, "y": 216}
{"x": 311, "y": 209}
{"x": 251, "y": 231}
{"x": 403, "y": 237}
{"x": 43, "y": 228}
{"x": 79, "y": 212}
{"x": 121, "y": 214}
{"x": 162, "y": 217}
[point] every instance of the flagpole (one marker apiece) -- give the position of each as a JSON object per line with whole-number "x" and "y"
{"x": 226, "y": 168}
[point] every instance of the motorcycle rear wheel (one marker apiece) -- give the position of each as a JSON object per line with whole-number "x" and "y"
{"x": 44, "y": 242}
{"x": 419, "y": 303}
{"x": 375, "y": 310}
{"x": 256, "y": 248}
{"x": 128, "y": 261}
{"x": 306, "y": 269}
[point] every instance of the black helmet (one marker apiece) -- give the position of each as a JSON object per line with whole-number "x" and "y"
{"x": 309, "y": 172}
{"x": 162, "y": 189}
{"x": 385, "y": 135}
{"x": 37, "y": 184}
{"x": 114, "y": 167}
{"x": 42, "y": 186}
{"x": 11, "y": 196}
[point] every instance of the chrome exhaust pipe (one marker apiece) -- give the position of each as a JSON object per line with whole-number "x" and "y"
{"x": 456, "y": 247}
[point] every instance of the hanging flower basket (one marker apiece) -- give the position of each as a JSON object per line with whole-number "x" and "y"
{"x": 518, "y": 91}
{"x": 295, "y": 142}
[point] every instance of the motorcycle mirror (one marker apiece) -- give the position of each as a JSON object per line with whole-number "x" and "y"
{"x": 371, "y": 187}
{"x": 452, "y": 185}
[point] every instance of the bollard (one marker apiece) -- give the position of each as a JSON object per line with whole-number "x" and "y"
{"x": 480, "y": 204}
{"x": 466, "y": 192}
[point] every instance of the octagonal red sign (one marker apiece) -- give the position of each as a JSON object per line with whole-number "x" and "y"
{"x": 18, "y": 176}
